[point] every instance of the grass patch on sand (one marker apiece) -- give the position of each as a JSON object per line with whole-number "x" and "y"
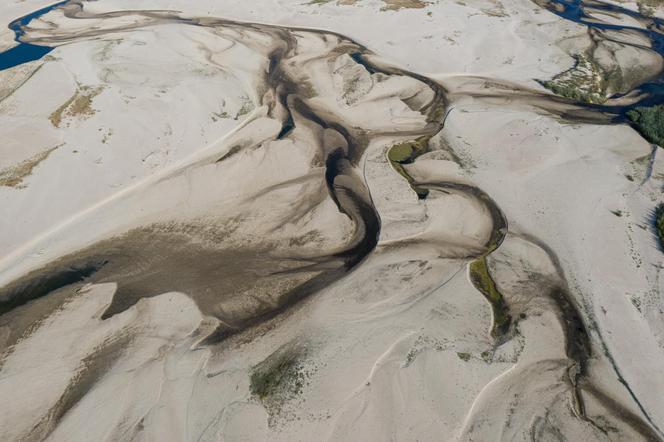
{"x": 78, "y": 106}
{"x": 13, "y": 176}
{"x": 479, "y": 275}
{"x": 405, "y": 153}
{"x": 393, "y": 5}
{"x": 649, "y": 121}
{"x": 280, "y": 378}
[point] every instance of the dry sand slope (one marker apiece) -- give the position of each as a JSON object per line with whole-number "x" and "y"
{"x": 223, "y": 229}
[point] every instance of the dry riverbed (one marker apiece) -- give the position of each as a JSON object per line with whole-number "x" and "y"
{"x": 270, "y": 221}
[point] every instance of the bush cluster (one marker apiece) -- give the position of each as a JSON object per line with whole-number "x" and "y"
{"x": 649, "y": 121}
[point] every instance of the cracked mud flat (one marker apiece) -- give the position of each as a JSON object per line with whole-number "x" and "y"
{"x": 254, "y": 231}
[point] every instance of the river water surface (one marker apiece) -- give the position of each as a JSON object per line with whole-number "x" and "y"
{"x": 25, "y": 52}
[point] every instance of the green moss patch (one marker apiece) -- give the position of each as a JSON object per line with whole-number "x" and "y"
{"x": 480, "y": 277}
{"x": 405, "y": 153}
{"x": 280, "y": 378}
{"x": 279, "y": 375}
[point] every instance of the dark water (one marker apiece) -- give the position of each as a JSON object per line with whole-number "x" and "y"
{"x": 18, "y": 294}
{"x": 25, "y": 52}
{"x": 580, "y": 12}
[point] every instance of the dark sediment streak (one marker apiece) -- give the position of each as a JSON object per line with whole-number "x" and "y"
{"x": 147, "y": 262}
{"x": 42, "y": 282}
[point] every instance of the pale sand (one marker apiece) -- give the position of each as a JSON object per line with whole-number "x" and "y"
{"x": 184, "y": 138}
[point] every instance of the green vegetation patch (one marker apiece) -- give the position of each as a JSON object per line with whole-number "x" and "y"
{"x": 402, "y": 153}
{"x": 659, "y": 224}
{"x": 464, "y": 356}
{"x": 280, "y": 378}
{"x": 437, "y": 113}
{"x": 405, "y": 153}
{"x": 279, "y": 375}
{"x": 586, "y": 81}
{"x": 649, "y": 121}
{"x": 479, "y": 275}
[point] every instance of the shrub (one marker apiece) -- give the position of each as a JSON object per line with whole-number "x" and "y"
{"x": 649, "y": 121}
{"x": 659, "y": 224}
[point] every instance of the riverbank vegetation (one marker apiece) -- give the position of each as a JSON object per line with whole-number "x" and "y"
{"x": 584, "y": 82}
{"x": 405, "y": 153}
{"x": 481, "y": 279}
{"x": 649, "y": 121}
{"x": 659, "y": 224}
